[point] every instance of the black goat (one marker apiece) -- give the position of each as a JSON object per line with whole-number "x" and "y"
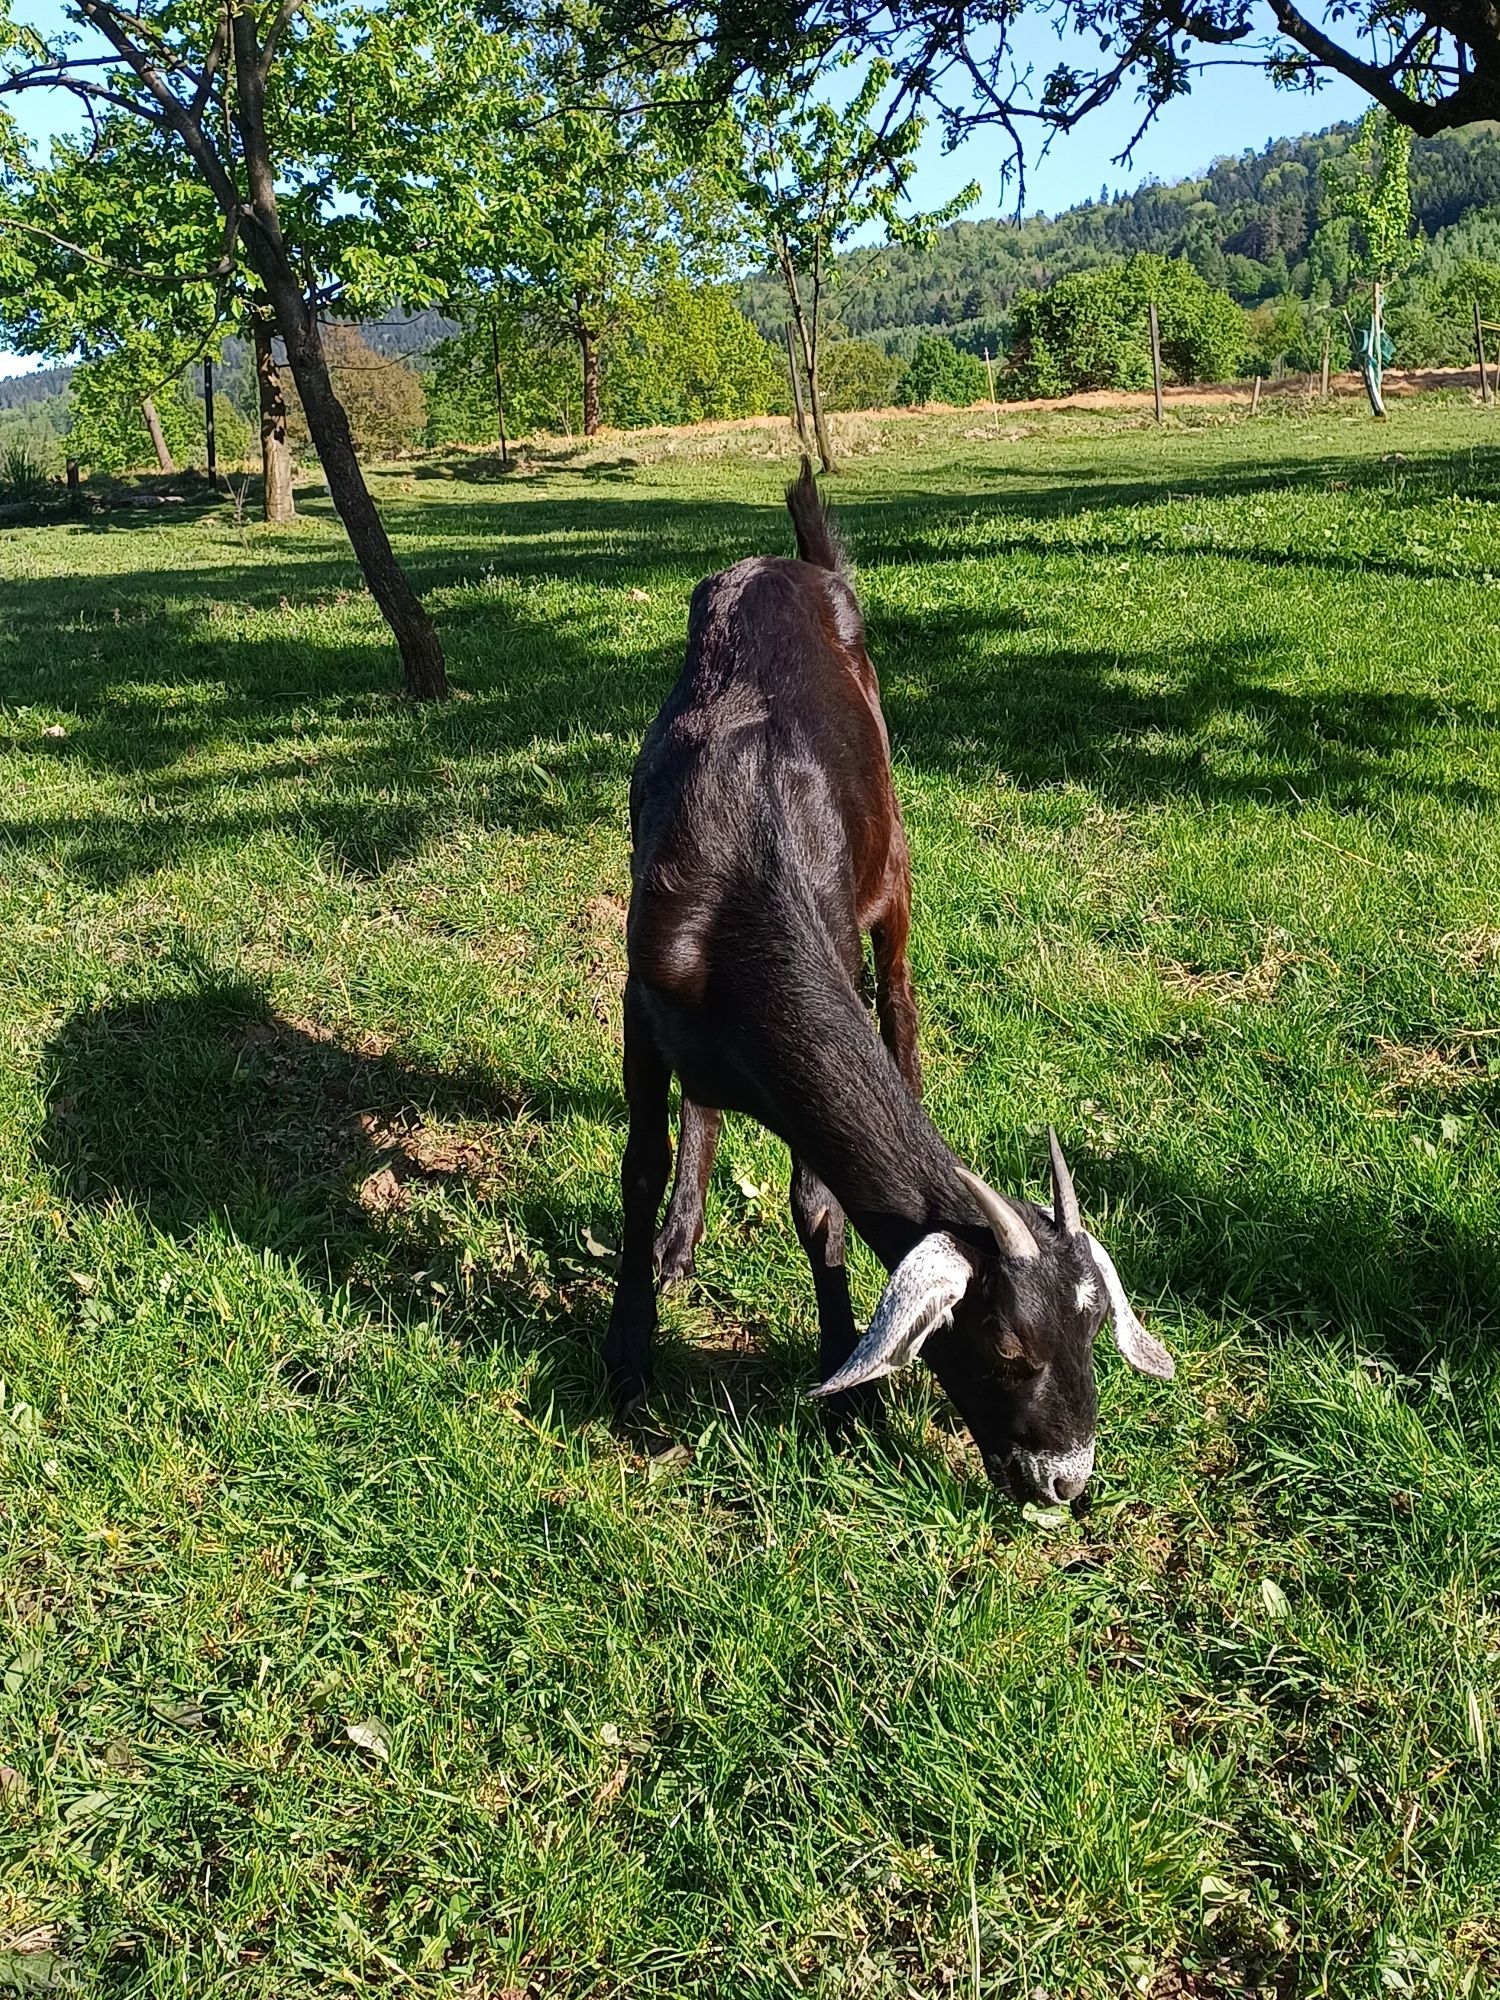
{"x": 767, "y": 839}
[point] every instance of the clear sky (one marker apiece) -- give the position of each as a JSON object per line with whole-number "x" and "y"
{"x": 1229, "y": 109}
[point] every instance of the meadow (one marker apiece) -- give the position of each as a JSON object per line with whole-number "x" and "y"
{"x": 348, "y": 1647}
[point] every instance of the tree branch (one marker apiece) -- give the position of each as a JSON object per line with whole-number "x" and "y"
{"x": 173, "y": 111}
{"x": 76, "y": 86}
{"x": 283, "y": 17}
{"x": 111, "y": 263}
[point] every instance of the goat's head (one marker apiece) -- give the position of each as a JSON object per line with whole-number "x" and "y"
{"x": 1010, "y": 1335}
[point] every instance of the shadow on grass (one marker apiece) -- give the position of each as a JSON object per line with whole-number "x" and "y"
{"x": 156, "y": 679}
{"x": 205, "y": 1108}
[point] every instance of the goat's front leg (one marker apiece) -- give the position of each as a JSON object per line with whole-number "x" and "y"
{"x": 895, "y": 1000}
{"x": 820, "y": 1231}
{"x": 682, "y": 1232}
{"x": 643, "y": 1180}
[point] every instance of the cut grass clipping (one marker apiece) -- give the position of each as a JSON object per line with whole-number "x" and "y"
{"x": 346, "y": 1646}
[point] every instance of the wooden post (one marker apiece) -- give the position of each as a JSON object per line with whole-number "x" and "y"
{"x": 499, "y": 392}
{"x": 1155, "y": 360}
{"x": 1255, "y": 398}
{"x": 210, "y": 443}
{"x": 1327, "y": 341}
{"x": 1484, "y": 380}
{"x": 75, "y": 489}
{"x": 989, "y": 369}
{"x": 791, "y": 362}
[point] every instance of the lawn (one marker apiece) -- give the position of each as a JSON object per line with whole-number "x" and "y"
{"x": 347, "y": 1647}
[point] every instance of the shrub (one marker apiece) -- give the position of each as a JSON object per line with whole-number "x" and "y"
{"x": 938, "y": 373}
{"x": 382, "y": 397}
{"x": 23, "y": 476}
{"x": 1283, "y": 330}
{"x": 540, "y": 377}
{"x": 1090, "y": 331}
{"x": 690, "y": 355}
{"x": 858, "y": 375}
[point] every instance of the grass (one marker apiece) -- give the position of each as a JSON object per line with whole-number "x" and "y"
{"x": 348, "y": 1648}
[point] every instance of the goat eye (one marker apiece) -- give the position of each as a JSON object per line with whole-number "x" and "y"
{"x": 1008, "y": 1347}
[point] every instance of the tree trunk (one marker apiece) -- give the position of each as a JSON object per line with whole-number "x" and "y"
{"x": 421, "y": 652}
{"x": 158, "y": 436}
{"x": 327, "y": 423}
{"x": 589, "y": 353}
{"x": 807, "y": 340}
{"x": 276, "y": 503}
{"x": 257, "y": 226}
{"x": 813, "y": 335}
{"x": 820, "y": 420}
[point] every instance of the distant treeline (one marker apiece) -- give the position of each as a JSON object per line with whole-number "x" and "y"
{"x": 1247, "y": 226}
{"x": 17, "y": 392}
{"x": 1246, "y": 266}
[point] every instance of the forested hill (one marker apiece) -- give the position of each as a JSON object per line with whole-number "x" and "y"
{"x": 18, "y": 391}
{"x": 1247, "y": 225}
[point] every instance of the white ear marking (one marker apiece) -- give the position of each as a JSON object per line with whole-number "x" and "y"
{"x": 1144, "y": 1354}
{"x": 919, "y": 1297}
{"x": 1086, "y": 1293}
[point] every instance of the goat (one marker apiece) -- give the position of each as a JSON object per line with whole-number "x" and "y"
{"x": 767, "y": 840}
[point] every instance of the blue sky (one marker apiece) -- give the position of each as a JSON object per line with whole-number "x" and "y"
{"x": 1228, "y": 110}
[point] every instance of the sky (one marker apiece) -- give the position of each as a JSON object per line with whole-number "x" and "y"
{"x": 1228, "y": 110}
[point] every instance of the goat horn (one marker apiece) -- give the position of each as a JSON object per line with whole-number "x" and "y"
{"x": 1011, "y": 1233}
{"x": 1064, "y": 1199}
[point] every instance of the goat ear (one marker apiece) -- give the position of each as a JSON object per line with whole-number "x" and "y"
{"x": 919, "y": 1296}
{"x": 1144, "y": 1354}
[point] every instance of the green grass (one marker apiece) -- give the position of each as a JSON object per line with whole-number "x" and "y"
{"x": 309, "y": 1127}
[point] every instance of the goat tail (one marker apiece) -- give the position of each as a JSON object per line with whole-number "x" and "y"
{"x": 817, "y": 539}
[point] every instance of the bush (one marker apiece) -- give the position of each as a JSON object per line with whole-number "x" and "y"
{"x": 938, "y": 373}
{"x": 1284, "y": 331}
{"x": 540, "y": 378}
{"x": 108, "y": 431}
{"x": 858, "y": 375}
{"x": 23, "y": 476}
{"x": 1433, "y": 327}
{"x": 1091, "y": 331}
{"x": 382, "y": 398}
{"x": 690, "y": 355}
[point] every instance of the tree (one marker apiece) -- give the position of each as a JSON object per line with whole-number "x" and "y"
{"x": 622, "y": 196}
{"x": 689, "y": 356}
{"x": 301, "y": 120}
{"x": 126, "y": 185}
{"x": 1370, "y": 187}
{"x": 382, "y": 397}
{"x": 1091, "y": 331}
{"x": 538, "y": 378}
{"x": 1432, "y": 66}
{"x": 813, "y": 174}
{"x": 858, "y": 375}
{"x": 114, "y": 426}
{"x": 938, "y": 373}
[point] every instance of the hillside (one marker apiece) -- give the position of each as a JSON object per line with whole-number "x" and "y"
{"x": 19, "y": 392}
{"x": 1247, "y": 225}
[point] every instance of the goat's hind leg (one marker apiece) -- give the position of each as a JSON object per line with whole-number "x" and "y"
{"x": 820, "y": 1230}
{"x": 682, "y": 1232}
{"x": 895, "y": 1002}
{"x": 643, "y": 1180}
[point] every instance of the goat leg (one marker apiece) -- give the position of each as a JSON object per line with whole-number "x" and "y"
{"x": 682, "y": 1232}
{"x": 643, "y": 1181}
{"x": 820, "y": 1230}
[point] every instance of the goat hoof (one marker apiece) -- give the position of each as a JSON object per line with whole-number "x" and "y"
{"x": 628, "y": 1391}
{"x": 674, "y": 1258}
{"x": 851, "y": 1410}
